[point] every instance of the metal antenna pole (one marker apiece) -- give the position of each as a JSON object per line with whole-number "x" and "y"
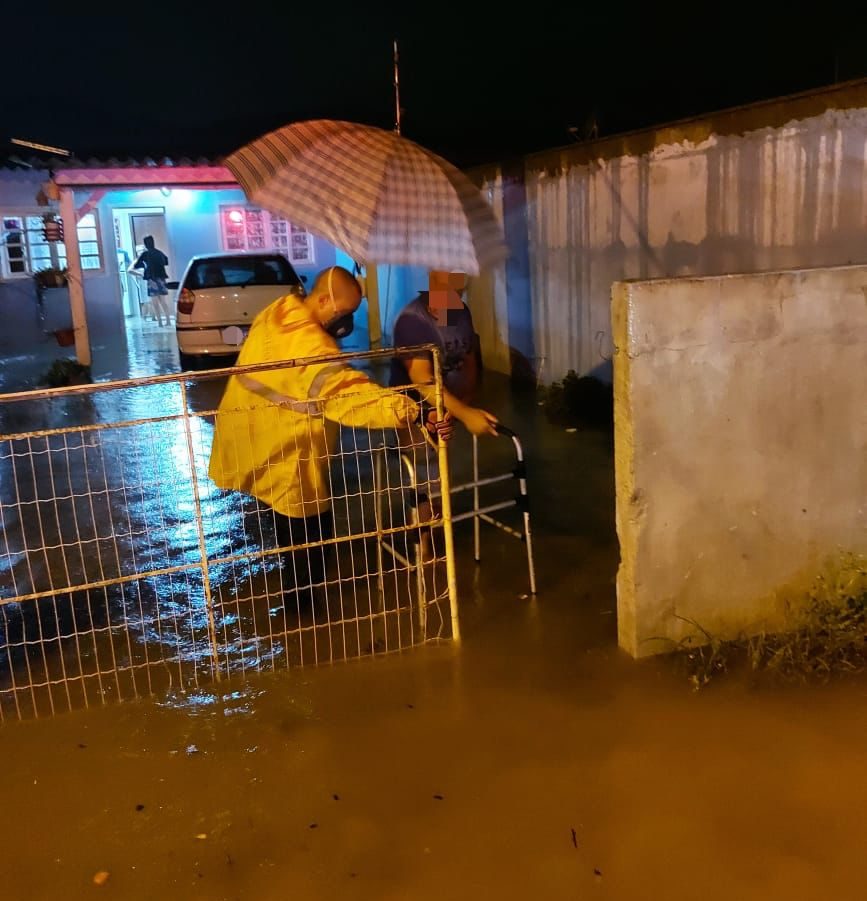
{"x": 396, "y": 89}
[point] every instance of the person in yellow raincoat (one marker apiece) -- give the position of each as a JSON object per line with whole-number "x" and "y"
{"x": 275, "y": 429}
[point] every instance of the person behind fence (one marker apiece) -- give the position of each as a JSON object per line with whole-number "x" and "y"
{"x": 154, "y": 262}
{"x": 277, "y": 429}
{"x": 439, "y": 316}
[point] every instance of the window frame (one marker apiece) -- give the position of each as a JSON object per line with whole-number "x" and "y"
{"x": 270, "y": 229}
{"x": 96, "y": 240}
{"x": 56, "y": 257}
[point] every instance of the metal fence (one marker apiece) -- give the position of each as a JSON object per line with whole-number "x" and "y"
{"x": 125, "y": 571}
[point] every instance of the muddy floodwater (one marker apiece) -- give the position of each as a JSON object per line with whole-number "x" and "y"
{"x": 532, "y": 761}
{"x": 526, "y": 765}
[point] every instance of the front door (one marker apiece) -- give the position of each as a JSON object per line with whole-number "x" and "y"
{"x": 153, "y": 224}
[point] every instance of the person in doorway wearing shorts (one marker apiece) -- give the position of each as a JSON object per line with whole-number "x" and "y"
{"x": 154, "y": 262}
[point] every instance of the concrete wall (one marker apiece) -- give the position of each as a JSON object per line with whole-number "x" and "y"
{"x": 771, "y": 186}
{"x": 741, "y": 446}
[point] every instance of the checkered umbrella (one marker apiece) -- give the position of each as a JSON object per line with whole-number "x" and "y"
{"x": 374, "y": 194}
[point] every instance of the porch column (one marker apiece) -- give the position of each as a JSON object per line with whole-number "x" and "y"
{"x": 74, "y": 280}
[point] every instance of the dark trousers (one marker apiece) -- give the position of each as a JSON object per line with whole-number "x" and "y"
{"x": 304, "y": 570}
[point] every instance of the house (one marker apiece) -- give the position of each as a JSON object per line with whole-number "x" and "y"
{"x": 189, "y": 207}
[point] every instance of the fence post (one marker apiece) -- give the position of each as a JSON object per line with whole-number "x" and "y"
{"x": 446, "y": 503}
{"x": 477, "y": 538}
{"x": 203, "y": 552}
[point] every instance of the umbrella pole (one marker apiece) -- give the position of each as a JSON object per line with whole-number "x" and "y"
{"x": 374, "y": 322}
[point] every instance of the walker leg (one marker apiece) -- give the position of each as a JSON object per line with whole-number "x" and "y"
{"x": 477, "y": 543}
{"x": 528, "y": 539}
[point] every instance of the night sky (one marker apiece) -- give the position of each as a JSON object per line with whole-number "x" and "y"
{"x": 479, "y": 82}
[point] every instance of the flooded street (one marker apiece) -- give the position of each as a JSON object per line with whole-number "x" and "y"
{"x": 532, "y": 761}
{"x": 439, "y": 774}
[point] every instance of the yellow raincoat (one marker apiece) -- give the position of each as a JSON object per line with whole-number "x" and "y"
{"x": 275, "y": 429}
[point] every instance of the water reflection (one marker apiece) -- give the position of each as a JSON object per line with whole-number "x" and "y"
{"x": 235, "y": 702}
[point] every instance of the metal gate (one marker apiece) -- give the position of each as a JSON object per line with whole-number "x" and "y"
{"x": 125, "y": 571}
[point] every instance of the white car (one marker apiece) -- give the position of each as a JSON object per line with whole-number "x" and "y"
{"x": 220, "y": 295}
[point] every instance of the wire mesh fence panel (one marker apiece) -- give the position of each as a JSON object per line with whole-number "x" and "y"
{"x": 137, "y": 557}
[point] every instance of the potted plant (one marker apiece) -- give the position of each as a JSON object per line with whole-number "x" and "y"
{"x": 65, "y": 336}
{"x": 66, "y": 372}
{"x": 50, "y": 277}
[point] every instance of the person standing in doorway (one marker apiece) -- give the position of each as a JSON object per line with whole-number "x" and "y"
{"x": 154, "y": 262}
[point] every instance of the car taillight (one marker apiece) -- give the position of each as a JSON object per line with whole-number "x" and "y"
{"x": 186, "y": 299}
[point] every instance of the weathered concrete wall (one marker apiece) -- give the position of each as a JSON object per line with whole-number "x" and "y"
{"x": 741, "y": 446}
{"x": 771, "y": 186}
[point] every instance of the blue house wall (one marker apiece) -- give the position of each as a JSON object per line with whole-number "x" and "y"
{"x": 192, "y": 219}
{"x": 398, "y": 285}
{"x": 22, "y": 330}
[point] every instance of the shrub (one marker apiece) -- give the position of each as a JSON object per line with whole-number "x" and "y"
{"x": 580, "y": 400}
{"x": 66, "y": 372}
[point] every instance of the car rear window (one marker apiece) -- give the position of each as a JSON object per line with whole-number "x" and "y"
{"x": 234, "y": 272}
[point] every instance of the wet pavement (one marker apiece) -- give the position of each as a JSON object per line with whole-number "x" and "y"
{"x": 143, "y": 350}
{"x": 532, "y": 761}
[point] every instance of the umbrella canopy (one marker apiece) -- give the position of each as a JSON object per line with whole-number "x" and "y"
{"x": 374, "y": 194}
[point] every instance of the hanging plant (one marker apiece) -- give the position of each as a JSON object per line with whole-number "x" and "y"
{"x": 51, "y": 277}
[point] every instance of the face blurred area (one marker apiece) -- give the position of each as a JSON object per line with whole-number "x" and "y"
{"x": 445, "y": 290}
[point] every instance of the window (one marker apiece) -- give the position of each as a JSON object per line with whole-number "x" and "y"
{"x": 302, "y": 244}
{"x": 24, "y": 250}
{"x": 249, "y": 228}
{"x": 88, "y": 242}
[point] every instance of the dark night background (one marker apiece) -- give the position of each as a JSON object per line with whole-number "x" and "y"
{"x": 478, "y": 82}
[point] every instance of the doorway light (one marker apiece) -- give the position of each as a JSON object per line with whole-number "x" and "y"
{"x": 181, "y": 198}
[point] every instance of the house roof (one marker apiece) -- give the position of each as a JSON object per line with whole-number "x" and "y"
{"x": 47, "y": 162}
{"x": 775, "y": 112}
{"x": 121, "y": 173}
